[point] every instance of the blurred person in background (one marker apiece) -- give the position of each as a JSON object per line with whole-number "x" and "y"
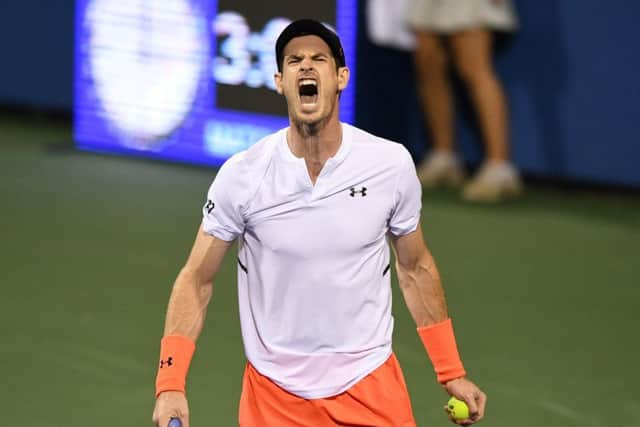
{"x": 462, "y": 32}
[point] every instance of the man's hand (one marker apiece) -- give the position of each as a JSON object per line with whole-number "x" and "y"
{"x": 475, "y": 399}
{"x": 171, "y": 404}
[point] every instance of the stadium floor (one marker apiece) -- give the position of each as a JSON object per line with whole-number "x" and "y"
{"x": 542, "y": 293}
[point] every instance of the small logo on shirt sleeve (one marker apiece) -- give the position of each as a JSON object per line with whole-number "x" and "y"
{"x": 208, "y": 207}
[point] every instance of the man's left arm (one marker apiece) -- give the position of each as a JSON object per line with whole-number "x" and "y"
{"x": 423, "y": 293}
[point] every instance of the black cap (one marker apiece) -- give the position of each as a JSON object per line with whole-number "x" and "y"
{"x": 309, "y": 27}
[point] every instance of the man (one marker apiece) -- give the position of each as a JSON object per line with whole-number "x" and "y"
{"x": 313, "y": 206}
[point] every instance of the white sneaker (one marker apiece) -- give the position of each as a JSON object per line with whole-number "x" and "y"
{"x": 440, "y": 168}
{"x": 493, "y": 182}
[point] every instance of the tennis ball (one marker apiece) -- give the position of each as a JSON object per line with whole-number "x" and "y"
{"x": 458, "y": 409}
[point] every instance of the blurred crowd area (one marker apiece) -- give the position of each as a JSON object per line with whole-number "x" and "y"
{"x": 486, "y": 94}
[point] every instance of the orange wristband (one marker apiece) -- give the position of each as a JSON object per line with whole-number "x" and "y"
{"x": 440, "y": 343}
{"x": 176, "y": 352}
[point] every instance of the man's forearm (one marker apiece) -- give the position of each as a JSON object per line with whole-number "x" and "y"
{"x": 422, "y": 290}
{"x": 187, "y": 305}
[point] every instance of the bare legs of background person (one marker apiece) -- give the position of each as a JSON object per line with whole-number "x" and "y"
{"x": 497, "y": 177}
{"x": 472, "y": 50}
{"x": 441, "y": 165}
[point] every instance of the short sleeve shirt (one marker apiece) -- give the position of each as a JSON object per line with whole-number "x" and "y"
{"x": 313, "y": 272}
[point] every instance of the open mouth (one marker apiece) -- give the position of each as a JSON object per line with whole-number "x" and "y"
{"x": 308, "y": 90}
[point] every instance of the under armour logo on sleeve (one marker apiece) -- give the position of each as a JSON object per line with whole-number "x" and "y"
{"x": 209, "y": 206}
{"x": 362, "y": 191}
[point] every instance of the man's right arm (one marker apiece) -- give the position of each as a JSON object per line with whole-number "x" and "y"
{"x": 193, "y": 287}
{"x": 187, "y": 310}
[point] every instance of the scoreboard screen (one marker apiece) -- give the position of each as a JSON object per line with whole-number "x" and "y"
{"x": 188, "y": 80}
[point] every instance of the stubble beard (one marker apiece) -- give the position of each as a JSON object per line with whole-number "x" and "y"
{"x": 311, "y": 129}
{"x": 308, "y": 129}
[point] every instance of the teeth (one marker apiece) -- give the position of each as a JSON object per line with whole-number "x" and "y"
{"x": 307, "y": 82}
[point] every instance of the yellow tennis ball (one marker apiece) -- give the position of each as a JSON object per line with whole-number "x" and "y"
{"x": 458, "y": 409}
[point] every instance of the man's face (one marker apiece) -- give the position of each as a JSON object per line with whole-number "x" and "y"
{"x": 309, "y": 80}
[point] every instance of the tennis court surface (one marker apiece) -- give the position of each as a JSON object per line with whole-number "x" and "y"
{"x": 544, "y": 293}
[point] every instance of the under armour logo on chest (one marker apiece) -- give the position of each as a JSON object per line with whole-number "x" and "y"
{"x": 167, "y": 362}
{"x": 362, "y": 191}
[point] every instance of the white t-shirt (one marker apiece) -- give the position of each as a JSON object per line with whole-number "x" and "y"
{"x": 313, "y": 260}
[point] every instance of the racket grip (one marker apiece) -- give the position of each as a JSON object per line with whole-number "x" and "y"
{"x": 174, "y": 422}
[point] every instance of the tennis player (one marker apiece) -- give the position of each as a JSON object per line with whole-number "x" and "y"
{"x": 313, "y": 208}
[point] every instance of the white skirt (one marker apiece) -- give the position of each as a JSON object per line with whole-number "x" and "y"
{"x": 450, "y": 16}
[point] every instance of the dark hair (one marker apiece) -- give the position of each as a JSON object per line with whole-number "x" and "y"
{"x": 309, "y": 27}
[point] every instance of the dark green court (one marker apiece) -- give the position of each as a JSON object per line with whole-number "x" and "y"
{"x": 543, "y": 292}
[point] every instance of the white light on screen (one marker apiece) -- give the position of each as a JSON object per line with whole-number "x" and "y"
{"x": 146, "y": 57}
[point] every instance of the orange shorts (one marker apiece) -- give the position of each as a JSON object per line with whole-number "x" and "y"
{"x": 380, "y": 399}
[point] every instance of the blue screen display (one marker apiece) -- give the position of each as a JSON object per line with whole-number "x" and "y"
{"x": 188, "y": 80}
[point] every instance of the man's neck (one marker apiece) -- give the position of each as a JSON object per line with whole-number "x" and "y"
{"x": 315, "y": 145}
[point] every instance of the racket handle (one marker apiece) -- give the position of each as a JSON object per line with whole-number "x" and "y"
{"x": 174, "y": 422}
